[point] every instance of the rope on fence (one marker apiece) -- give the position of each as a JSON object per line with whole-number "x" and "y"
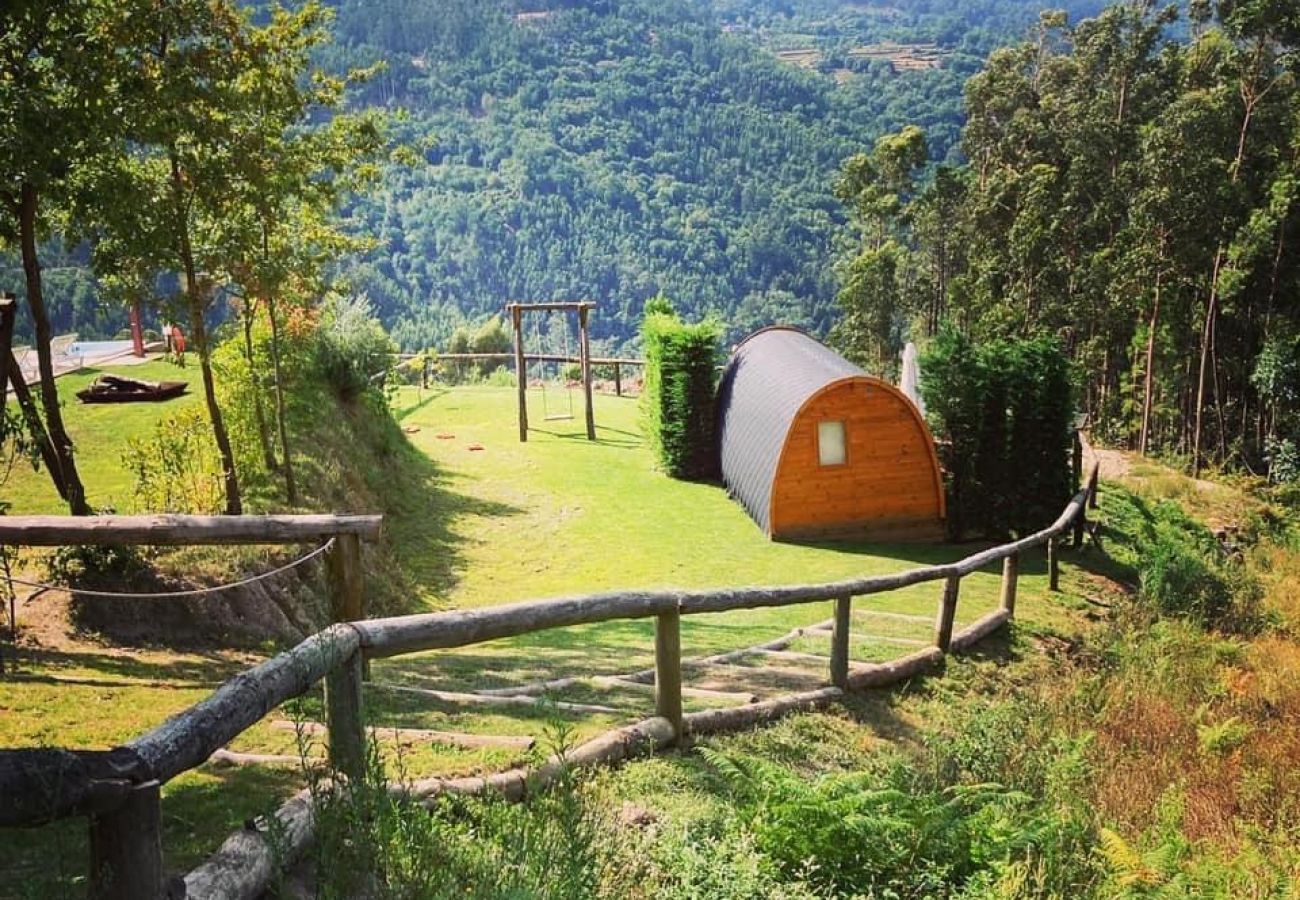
{"x": 171, "y": 595}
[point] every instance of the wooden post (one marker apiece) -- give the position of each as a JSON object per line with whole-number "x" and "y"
{"x": 1080, "y": 521}
{"x": 347, "y": 590}
{"x": 584, "y": 344}
{"x": 126, "y": 861}
{"x": 8, "y": 307}
{"x": 668, "y": 669}
{"x": 1053, "y": 566}
{"x": 424, "y": 372}
{"x": 343, "y": 716}
{"x": 1092, "y": 487}
{"x": 618, "y": 380}
{"x": 137, "y": 333}
{"x": 947, "y": 613}
{"x": 840, "y": 642}
{"x": 521, "y": 374}
{"x": 1010, "y": 576}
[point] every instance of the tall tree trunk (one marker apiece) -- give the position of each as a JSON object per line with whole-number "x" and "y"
{"x": 259, "y": 414}
{"x": 290, "y": 487}
{"x": 199, "y": 334}
{"x": 61, "y": 443}
{"x": 1149, "y": 378}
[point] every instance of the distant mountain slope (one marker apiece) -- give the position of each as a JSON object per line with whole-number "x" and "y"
{"x": 613, "y": 149}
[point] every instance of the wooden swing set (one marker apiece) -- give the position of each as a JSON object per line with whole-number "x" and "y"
{"x": 516, "y": 312}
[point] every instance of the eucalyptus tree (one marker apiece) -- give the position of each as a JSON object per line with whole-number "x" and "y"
{"x": 298, "y": 154}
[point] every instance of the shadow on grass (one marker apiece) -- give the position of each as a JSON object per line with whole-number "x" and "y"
{"x": 197, "y": 670}
{"x": 420, "y": 502}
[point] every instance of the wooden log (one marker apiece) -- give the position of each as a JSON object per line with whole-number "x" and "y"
{"x": 40, "y": 785}
{"x": 618, "y": 379}
{"x": 713, "y": 720}
{"x": 56, "y": 531}
{"x": 188, "y": 738}
{"x": 981, "y": 628}
{"x": 541, "y": 357}
{"x": 840, "y": 642}
{"x": 611, "y": 683}
{"x": 785, "y": 640}
{"x": 611, "y": 747}
{"x": 126, "y": 861}
{"x": 411, "y": 735}
{"x": 947, "y": 613}
{"x": 584, "y": 347}
{"x": 794, "y": 657}
{"x": 224, "y": 758}
{"x": 874, "y": 675}
{"x": 521, "y": 373}
{"x": 347, "y": 590}
{"x": 614, "y": 683}
{"x": 668, "y": 669}
{"x": 1053, "y": 566}
{"x": 1093, "y": 476}
{"x": 344, "y": 716}
{"x": 245, "y": 865}
{"x": 464, "y": 699}
{"x": 1010, "y": 579}
{"x": 995, "y": 554}
{"x": 456, "y": 628}
{"x": 551, "y": 306}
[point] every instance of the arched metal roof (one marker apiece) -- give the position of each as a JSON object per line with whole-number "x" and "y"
{"x": 771, "y": 375}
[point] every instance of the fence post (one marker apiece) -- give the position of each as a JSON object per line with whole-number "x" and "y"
{"x": 347, "y": 592}
{"x": 343, "y": 718}
{"x": 618, "y": 380}
{"x": 947, "y": 613}
{"x": 840, "y": 642}
{"x": 126, "y": 848}
{"x": 1080, "y": 521}
{"x": 1053, "y": 565}
{"x": 668, "y": 669}
{"x": 1092, "y": 487}
{"x": 1010, "y": 578}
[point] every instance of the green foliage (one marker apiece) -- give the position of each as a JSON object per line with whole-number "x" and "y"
{"x": 1003, "y": 414}
{"x": 351, "y": 346}
{"x": 1181, "y": 568}
{"x": 678, "y": 394}
{"x": 176, "y": 469}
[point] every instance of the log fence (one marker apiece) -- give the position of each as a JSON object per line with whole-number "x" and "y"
{"x": 119, "y": 790}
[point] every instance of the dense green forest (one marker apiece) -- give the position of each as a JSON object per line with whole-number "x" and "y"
{"x": 614, "y": 150}
{"x": 1132, "y": 196}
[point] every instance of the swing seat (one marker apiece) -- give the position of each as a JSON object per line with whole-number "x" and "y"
{"x": 557, "y": 417}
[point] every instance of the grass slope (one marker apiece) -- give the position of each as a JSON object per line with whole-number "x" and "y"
{"x": 558, "y": 515}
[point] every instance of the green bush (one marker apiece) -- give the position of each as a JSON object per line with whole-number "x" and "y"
{"x": 176, "y": 469}
{"x": 678, "y": 394}
{"x": 351, "y": 346}
{"x": 1004, "y": 416}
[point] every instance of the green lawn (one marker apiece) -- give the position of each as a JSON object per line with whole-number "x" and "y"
{"x": 556, "y": 516}
{"x": 99, "y": 435}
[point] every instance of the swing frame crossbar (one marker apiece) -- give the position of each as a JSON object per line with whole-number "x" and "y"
{"x": 516, "y": 313}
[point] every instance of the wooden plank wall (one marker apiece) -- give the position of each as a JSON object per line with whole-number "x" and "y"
{"x": 889, "y": 487}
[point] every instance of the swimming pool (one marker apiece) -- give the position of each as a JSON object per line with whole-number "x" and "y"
{"x": 98, "y": 348}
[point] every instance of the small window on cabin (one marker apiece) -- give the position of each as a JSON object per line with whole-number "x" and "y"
{"x": 830, "y": 443}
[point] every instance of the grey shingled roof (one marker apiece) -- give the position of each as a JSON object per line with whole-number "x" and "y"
{"x": 769, "y": 378}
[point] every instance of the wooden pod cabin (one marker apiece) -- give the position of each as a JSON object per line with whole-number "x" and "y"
{"x": 814, "y": 448}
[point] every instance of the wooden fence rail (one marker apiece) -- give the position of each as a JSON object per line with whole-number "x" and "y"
{"x": 118, "y": 789}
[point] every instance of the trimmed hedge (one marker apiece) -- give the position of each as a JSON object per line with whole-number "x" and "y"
{"x": 678, "y": 395}
{"x": 1004, "y": 416}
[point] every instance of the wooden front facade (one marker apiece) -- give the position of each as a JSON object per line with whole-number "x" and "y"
{"x": 887, "y": 488}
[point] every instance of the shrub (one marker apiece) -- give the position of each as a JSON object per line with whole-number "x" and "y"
{"x": 1004, "y": 416}
{"x": 177, "y": 469}
{"x": 351, "y": 346}
{"x": 678, "y": 395}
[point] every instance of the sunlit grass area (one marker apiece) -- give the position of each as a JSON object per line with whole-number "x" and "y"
{"x": 556, "y": 516}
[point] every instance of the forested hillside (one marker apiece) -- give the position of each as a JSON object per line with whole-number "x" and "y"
{"x": 1131, "y": 196}
{"x": 612, "y": 150}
